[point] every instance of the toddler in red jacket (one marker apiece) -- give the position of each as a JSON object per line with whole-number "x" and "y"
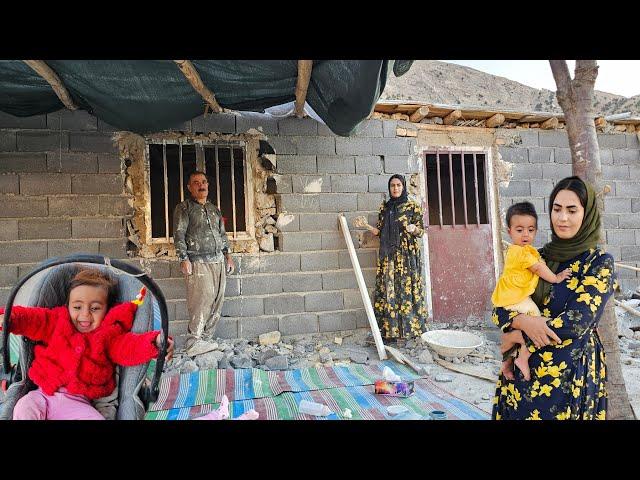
{"x": 78, "y": 346}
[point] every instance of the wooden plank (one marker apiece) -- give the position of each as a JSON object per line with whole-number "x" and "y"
{"x": 453, "y": 128}
{"x": 52, "y": 78}
{"x": 622, "y": 265}
{"x": 549, "y": 124}
{"x": 419, "y": 114}
{"x": 302, "y": 85}
{"x": 192, "y": 75}
{"x": 403, "y": 359}
{"x": 629, "y": 309}
{"x": 452, "y": 117}
{"x": 496, "y": 120}
{"x": 466, "y": 369}
{"x": 373, "y": 324}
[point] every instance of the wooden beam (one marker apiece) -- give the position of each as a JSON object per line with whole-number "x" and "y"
{"x": 419, "y": 114}
{"x": 452, "y": 117}
{"x": 496, "y": 120}
{"x": 192, "y": 75}
{"x": 549, "y": 124}
{"x": 52, "y": 78}
{"x": 600, "y": 122}
{"x": 627, "y": 308}
{"x": 628, "y": 267}
{"x": 302, "y": 85}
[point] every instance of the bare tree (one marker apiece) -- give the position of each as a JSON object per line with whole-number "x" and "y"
{"x": 575, "y": 96}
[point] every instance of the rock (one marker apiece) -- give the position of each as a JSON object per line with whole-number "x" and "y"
{"x": 325, "y": 357}
{"x": 270, "y": 338}
{"x": 189, "y": 366}
{"x": 284, "y": 220}
{"x": 411, "y": 344}
{"x": 209, "y": 361}
{"x": 457, "y": 360}
{"x": 636, "y": 335}
{"x": 486, "y": 397}
{"x": 324, "y": 350}
{"x": 340, "y": 355}
{"x": 287, "y": 346}
{"x": 635, "y": 354}
{"x": 266, "y": 243}
{"x": 358, "y": 357}
{"x": 299, "y": 349}
{"x": 279, "y": 362}
{"x": 443, "y": 378}
{"x": 224, "y": 363}
{"x": 337, "y": 340}
{"x": 634, "y": 345}
{"x": 241, "y": 361}
{"x": 425, "y": 357}
{"x": 266, "y": 355}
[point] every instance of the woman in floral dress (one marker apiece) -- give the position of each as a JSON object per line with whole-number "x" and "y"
{"x": 399, "y": 302}
{"x": 568, "y": 371}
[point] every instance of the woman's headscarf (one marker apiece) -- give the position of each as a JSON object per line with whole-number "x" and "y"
{"x": 560, "y": 250}
{"x": 390, "y": 234}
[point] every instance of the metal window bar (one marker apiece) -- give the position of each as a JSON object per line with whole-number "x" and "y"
{"x": 217, "y": 178}
{"x": 464, "y": 190}
{"x": 233, "y": 191}
{"x": 166, "y": 190}
{"x": 181, "y": 172}
{"x": 439, "y": 187}
{"x": 426, "y": 219}
{"x": 475, "y": 183}
{"x": 453, "y": 203}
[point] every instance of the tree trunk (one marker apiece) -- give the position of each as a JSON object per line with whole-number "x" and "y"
{"x": 576, "y": 99}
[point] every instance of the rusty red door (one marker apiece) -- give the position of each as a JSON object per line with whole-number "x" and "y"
{"x": 460, "y": 238}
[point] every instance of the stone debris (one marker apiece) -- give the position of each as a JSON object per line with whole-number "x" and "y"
{"x": 270, "y": 338}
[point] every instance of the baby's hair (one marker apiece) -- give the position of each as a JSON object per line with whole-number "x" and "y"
{"x": 94, "y": 278}
{"x": 521, "y": 208}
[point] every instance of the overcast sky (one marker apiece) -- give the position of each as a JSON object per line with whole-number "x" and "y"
{"x": 621, "y": 77}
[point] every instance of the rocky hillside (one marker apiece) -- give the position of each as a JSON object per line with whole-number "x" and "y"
{"x": 448, "y": 83}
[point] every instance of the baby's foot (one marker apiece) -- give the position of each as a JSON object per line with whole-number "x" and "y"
{"x": 523, "y": 364}
{"x": 507, "y": 369}
{"x": 249, "y": 415}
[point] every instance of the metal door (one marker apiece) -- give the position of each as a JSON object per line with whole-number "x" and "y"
{"x": 460, "y": 239}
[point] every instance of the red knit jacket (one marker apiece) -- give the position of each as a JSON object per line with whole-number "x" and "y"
{"x": 83, "y": 363}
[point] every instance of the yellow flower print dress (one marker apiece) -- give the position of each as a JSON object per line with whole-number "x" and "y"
{"x": 567, "y": 379}
{"x": 399, "y": 300}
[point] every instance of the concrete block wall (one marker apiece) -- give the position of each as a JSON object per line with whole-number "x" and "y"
{"x": 543, "y": 158}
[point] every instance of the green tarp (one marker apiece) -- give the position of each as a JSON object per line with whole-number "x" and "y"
{"x": 147, "y": 96}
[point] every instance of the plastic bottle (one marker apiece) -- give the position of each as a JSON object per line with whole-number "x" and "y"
{"x": 313, "y": 408}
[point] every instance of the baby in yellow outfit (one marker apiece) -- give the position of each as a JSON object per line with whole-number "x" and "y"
{"x": 523, "y": 267}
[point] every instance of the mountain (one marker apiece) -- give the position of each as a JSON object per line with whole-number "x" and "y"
{"x": 440, "y": 82}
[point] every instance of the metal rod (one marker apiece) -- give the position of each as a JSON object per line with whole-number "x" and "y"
{"x": 426, "y": 183}
{"x": 181, "y": 172}
{"x": 464, "y": 190}
{"x": 475, "y": 182}
{"x": 217, "y": 180}
{"x": 166, "y": 190}
{"x": 439, "y": 187}
{"x": 233, "y": 192}
{"x": 453, "y": 202}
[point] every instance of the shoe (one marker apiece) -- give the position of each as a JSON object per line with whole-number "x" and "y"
{"x": 199, "y": 347}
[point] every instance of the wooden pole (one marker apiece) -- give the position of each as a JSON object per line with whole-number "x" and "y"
{"x": 452, "y": 117}
{"x": 52, "y": 78}
{"x": 363, "y": 289}
{"x": 419, "y": 114}
{"x": 302, "y": 85}
{"x": 549, "y": 124}
{"x": 496, "y": 120}
{"x": 628, "y": 267}
{"x": 192, "y": 75}
{"x": 627, "y": 308}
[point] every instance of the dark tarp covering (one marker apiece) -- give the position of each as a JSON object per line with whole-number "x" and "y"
{"x": 146, "y": 96}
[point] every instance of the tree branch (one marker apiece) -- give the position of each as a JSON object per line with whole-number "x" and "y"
{"x": 192, "y": 75}
{"x": 562, "y": 77}
{"x": 52, "y": 78}
{"x": 304, "y": 76}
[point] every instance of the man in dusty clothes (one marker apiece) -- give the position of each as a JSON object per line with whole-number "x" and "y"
{"x": 205, "y": 260}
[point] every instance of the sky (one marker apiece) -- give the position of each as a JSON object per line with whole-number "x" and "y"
{"x": 621, "y": 77}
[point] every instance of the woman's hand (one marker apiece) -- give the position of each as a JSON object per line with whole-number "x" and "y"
{"x": 169, "y": 346}
{"x": 411, "y": 228}
{"x": 536, "y": 329}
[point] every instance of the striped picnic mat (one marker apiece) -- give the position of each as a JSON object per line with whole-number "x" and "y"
{"x": 208, "y": 386}
{"x": 361, "y": 400}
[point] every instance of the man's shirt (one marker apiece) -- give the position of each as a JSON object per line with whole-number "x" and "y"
{"x": 198, "y": 232}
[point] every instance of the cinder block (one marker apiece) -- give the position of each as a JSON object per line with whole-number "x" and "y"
{"x": 390, "y": 146}
{"x": 325, "y": 131}
{"x": 8, "y": 230}
{"x": 606, "y": 157}
{"x": 293, "y": 225}
{"x": 227, "y": 328}
{"x": 283, "y": 145}
{"x": 339, "y": 280}
{"x": 25, "y": 269}
{"x": 556, "y": 172}
{"x": 113, "y": 248}
{"x": 335, "y": 241}
{"x": 243, "y": 307}
{"x": 311, "y": 183}
{"x": 621, "y": 237}
{"x": 8, "y": 276}
{"x": 92, "y": 142}
{"x": 181, "y": 310}
{"x": 216, "y": 122}
{"x": 615, "y": 172}
{"x": 514, "y": 155}
{"x": 42, "y": 141}
{"x": 299, "y": 323}
{"x": 318, "y": 222}
{"x": 628, "y": 189}
{"x": 252, "y": 328}
{"x": 105, "y": 127}
{"x": 261, "y": 284}
{"x": 43, "y": 228}
{"x": 369, "y": 164}
{"x": 8, "y": 142}
{"x": 157, "y": 268}
{"x": 34, "y": 121}
{"x": 389, "y": 128}
{"x": 232, "y": 288}
{"x": 629, "y": 253}
{"x": 562, "y": 155}
{"x": 4, "y": 295}
{"x": 71, "y": 120}
{"x": 299, "y": 241}
{"x": 72, "y": 162}
{"x": 529, "y": 138}
{"x": 115, "y": 206}
{"x": 350, "y": 184}
{"x": 614, "y": 251}
{"x": 283, "y": 304}
{"x": 96, "y": 228}
{"x": 368, "y": 202}
{"x": 617, "y": 205}
{"x": 45, "y": 183}
{"x": 279, "y": 262}
{"x": 9, "y": 183}
{"x": 23, "y": 252}
{"x": 402, "y": 164}
{"x": 97, "y": 184}
{"x": 541, "y": 155}
{"x": 298, "y": 126}
{"x": 319, "y": 261}
{"x": 612, "y": 141}
{"x": 73, "y": 205}
{"x": 260, "y": 121}
{"x": 353, "y": 146}
{"x": 283, "y": 184}
{"x": 379, "y": 184}
{"x": 14, "y": 206}
{"x": 109, "y": 163}
{"x": 336, "y": 164}
{"x": 626, "y": 157}
{"x": 338, "y": 202}
{"x": 302, "y": 282}
{"x": 635, "y": 205}
{"x": 323, "y": 301}
{"x": 173, "y": 288}
{"x": 315, "y": 145}
{"x": 368, "y": 258}
{"x": 527, "y": 171}
{"x": 541, "y": 188}
{"x": 610, "y": 221}
{"x": 550, "y": 138}
{"x": 297, "y": 164}
{"x": 369, "y": 128}
{"x": 634, "y": 172}
{"x": 632, "y": 140}
{"x": 361, "y": 319}
{"x": 631, "y": 220}
{"x": 516, "y": 188}
{"x": 336, "y": 321}
{"x": 23, "y": 162}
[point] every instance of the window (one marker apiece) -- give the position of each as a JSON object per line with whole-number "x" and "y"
{"x": 224, "y": 163}
{"x": 456, "y": 188}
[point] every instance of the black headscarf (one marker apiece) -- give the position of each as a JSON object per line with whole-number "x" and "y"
{"x": 390, "y": 234}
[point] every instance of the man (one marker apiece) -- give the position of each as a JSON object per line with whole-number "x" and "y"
{"x": 203, "y": 249}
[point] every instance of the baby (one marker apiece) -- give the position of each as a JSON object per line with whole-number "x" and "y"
{"x": 523, "y": 267}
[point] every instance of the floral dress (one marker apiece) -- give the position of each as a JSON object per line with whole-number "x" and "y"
{"x": 399, "y": 302}
{"x": 567, "y": 379}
